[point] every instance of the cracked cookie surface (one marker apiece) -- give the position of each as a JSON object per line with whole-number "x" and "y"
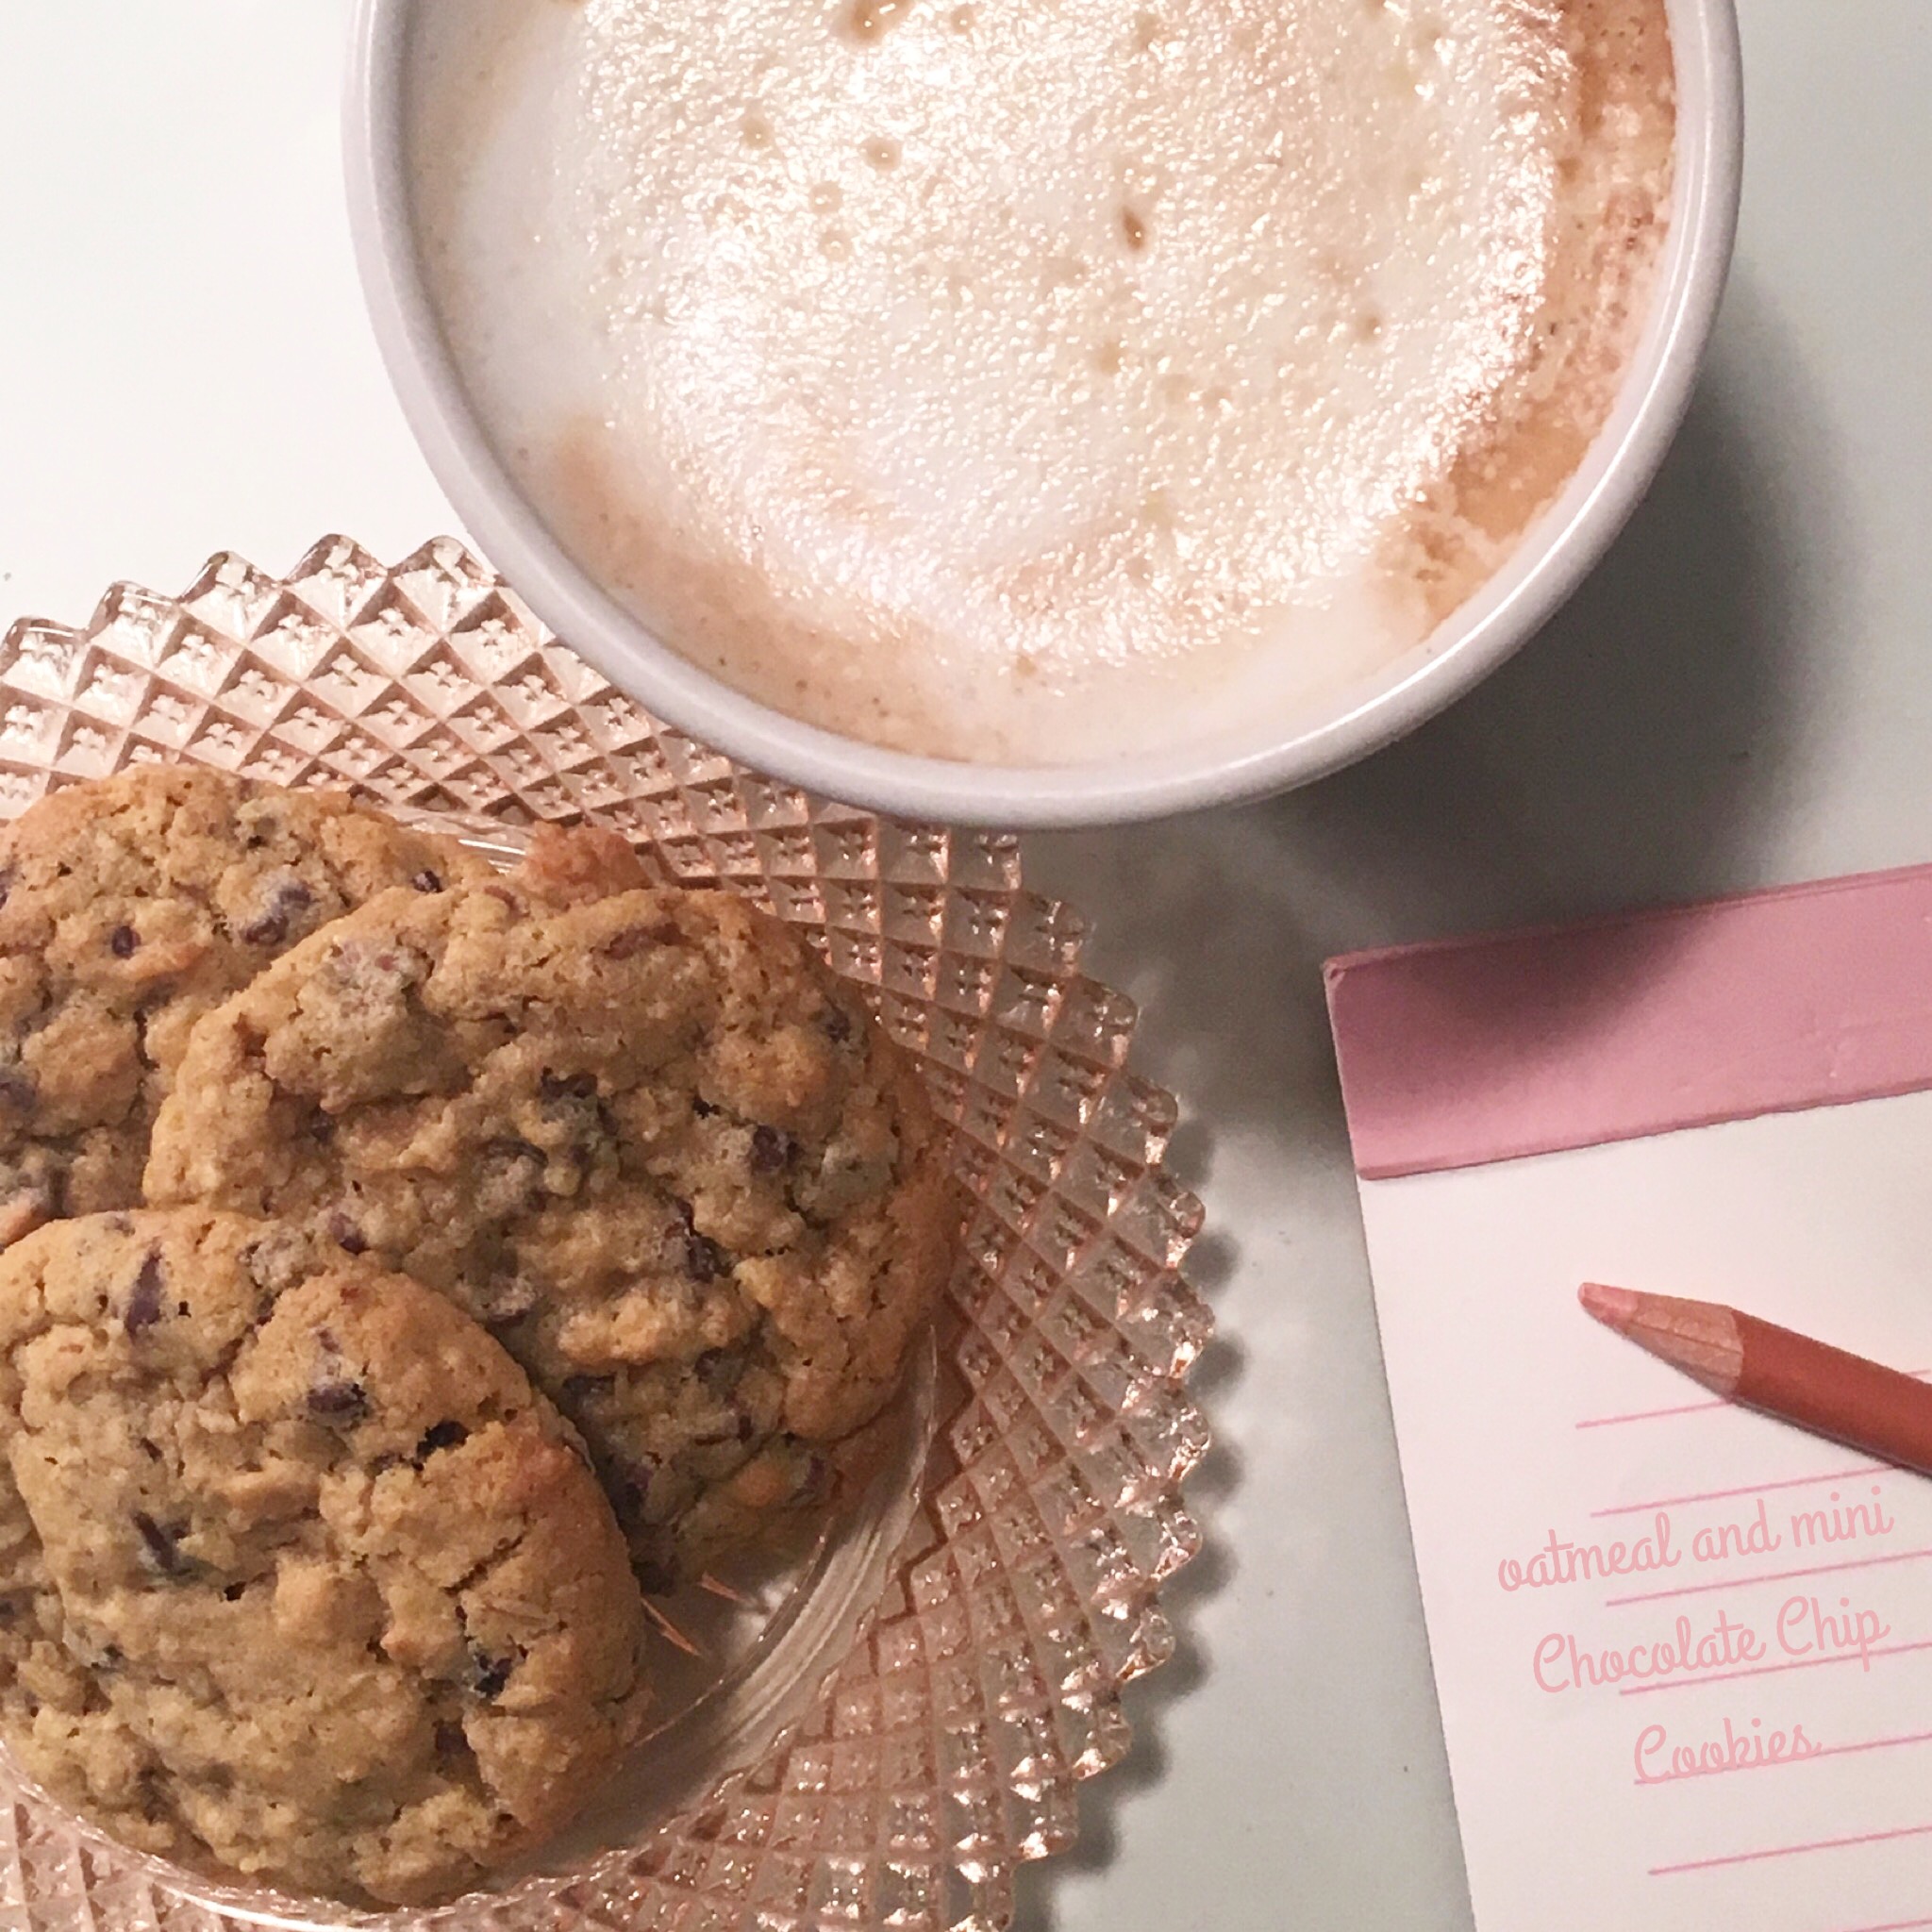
{"x": 129, "y": 907}
{"x": 639, "y": 1133}
{"x": 300, "y": 1579}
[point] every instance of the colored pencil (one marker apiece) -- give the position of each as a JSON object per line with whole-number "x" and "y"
{"x": 1774, "y": 1369}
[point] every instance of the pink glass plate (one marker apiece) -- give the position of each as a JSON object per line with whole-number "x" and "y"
{"x": 880, "y": 1731}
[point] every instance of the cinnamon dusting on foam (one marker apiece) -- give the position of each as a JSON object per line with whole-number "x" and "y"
{"x": 724, "y": 614}
{"x": 1617, "y": 107}
{"x": 1008, "y": 383}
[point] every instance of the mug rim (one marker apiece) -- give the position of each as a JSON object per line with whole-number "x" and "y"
{"x": 1550, "y": 557}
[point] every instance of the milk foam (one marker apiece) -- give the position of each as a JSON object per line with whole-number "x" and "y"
{"x": 1041, "y": 382}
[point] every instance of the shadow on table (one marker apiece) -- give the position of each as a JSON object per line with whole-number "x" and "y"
{"x": 1639, "y": 750}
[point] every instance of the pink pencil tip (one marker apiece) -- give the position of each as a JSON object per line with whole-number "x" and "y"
{"x": 1615, "y": 1307}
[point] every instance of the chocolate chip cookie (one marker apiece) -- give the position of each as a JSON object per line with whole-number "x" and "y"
{"x": 297, "y": 1576}
{"x": 642, "y": 1136}
{"x": 128, "y": 908}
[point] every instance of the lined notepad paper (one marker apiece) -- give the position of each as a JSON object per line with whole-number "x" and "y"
{"x": 1684, "y": 1653}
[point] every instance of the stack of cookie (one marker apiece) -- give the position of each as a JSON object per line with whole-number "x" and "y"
{"x": 402, "y": 1267}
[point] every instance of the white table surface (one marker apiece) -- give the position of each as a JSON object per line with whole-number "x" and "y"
{"x": 1742, "y": 694}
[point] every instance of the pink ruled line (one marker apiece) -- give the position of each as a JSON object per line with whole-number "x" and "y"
{"x": 1790, "y": 1482}
{"x": 1803, "y": 1663}
{"x": 1893, "y": 1925}
{"x": 1650, "y": 1596}
{"x": 1679, "y": 1777}
{"x": 1651, "y": 1415}
{"x": 1821, "y": 1845}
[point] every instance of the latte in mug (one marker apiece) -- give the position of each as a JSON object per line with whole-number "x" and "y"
{"x": 1040, "y": 383}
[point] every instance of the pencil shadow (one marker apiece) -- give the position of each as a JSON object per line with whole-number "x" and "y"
{"x": 1639, "y": 750}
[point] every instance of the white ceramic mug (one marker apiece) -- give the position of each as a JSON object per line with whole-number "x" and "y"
{"x": 1272, "y": 755}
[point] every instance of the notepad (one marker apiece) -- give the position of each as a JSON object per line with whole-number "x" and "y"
{"x": 1682, "y": 1652}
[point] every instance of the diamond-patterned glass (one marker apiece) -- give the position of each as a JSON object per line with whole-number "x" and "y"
{"x": 941, "y": 1742}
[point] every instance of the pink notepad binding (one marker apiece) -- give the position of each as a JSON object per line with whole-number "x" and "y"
{"x": 1462, "y": 1052}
